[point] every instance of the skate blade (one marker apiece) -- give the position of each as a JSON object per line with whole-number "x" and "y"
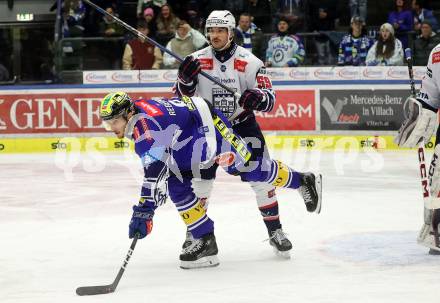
{"x": 434, "y": 252}
{"x": 426, "y": 239}
{"x": 319, "y": 191}
{"x": 282, "y": 254}
{"x": 209, "y": 261}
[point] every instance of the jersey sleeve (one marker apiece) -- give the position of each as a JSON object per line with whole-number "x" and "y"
{"x": 298, "y": 54}
{"x": 430, "y": 91}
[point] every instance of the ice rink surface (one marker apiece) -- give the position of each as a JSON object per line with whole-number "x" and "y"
{"x": 60, "y": 229}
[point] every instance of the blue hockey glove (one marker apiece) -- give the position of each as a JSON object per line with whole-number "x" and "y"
{"x": 252, "y": 99}
{"x": 141, "y": 223}
{"x": 188, "y": 70}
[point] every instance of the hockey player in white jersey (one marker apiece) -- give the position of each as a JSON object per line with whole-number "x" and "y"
{"x": 419, "y": 126}
{"x": 240, "y": 70}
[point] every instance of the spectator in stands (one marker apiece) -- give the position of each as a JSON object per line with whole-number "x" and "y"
{"x": 323, "y": 14}
{"x": 422, "y": 14}
{"x": 359, "y": 8}
{"x": 192, "y": 15}
{"x": 155, "y": 5}
{"x": 166, "y": 25}
{"x": 387, "y": 50}
{"x": 402, "y": 21}
{"x": 354, "y": 46}
{"x": 284, "y": 50}
{"x": 249, "y": 36}
{"x": 139, "y": 54}
{"x": 186, "y": 41}
{"x": 424, "y": 44}
{"x": 108, "y": 27}
{"x": 294, "y": 11}
{"x": 73, "y": 16}
{"x": 151, "y": 22}
{"x": 261, "y": 13}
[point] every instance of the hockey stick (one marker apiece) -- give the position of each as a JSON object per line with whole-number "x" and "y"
{"x": 106, "y": 289}
{"x": 161, "y": 47}
{"x": 421, "y": 147}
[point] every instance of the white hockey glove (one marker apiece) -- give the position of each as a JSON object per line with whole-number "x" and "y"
{"x": 419, "y": 125}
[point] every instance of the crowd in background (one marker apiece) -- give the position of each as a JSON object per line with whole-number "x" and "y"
{"x": 282, "y": 33}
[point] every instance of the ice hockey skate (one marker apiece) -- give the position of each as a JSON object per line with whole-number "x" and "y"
{"x": 200, "y": 253}
{"x": 311, "y": 191}
{"x": 188, "y": 240}
{"x": 281, "y": 245}
{"x": 429, "y": 233}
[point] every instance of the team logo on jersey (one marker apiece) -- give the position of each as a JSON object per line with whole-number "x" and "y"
{"x": 278, "y": 55}
{"x": 223, "y": 68}
{"x": 240, "y": 65}
{"x": 224, "y": 101}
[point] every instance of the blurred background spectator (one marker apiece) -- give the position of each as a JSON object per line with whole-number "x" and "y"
{"x": 387, "y": 50}
{"x": 193, "y": 17}
{"x": 422, "y": 14}
{"x": 155, "y": 5}
{"x": 402, "y": 20}
{"x": 295, "y": 13}
{"x": 260, "y": 10}
{"x": 139, "y": 54}
{"x": 323, "y": 14}
{"x": 148, "y": 16}
{"x": 355, "y": 45}
{"x": 166, "y": 25}
{"x": 424, "y": 43}
{"x": 109, "y": 27}
{"x": 249, "y": 36}
{"x": 284, "y": 50}
{"x": 186, "y": 41}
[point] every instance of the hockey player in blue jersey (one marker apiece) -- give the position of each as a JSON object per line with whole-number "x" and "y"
{"x": 176, "y": 137}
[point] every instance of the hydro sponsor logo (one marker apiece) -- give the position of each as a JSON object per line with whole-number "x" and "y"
{"x": 277, "y": 75}
{"x": 96, "y": 78}
{"x": 2, "y": 147}
{"x": 348, "y": 73}
{"x": 146, "y": 76}
{"x": 372, "y": 73}
{"x": 122, "y": 77}
{"x": 298, "y": 74}
{"x": 170, "y": 75}
{"x": 397, "y": 73}
{"x": 324, "y": 74}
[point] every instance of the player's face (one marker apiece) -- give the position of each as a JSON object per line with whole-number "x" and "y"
{"x": 218, "y": 37}
{"x": 283, "y": 26}
{"x": 117, "y": 126}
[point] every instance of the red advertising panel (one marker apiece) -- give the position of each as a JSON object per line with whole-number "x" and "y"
{"x": 293, "y": 110}
{"x": 39, "y": 113}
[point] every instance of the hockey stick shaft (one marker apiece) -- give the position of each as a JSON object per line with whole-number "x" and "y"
{"x": 161, "y": 47}
{"x": 421, "y": 148}
{"x": 105, "y": 289}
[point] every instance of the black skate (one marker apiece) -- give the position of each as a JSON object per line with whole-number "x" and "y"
{"x": 188, "y": 240}
{"x": 311, "y": 191}
{"x": 200, "y": 253}
{"x": 281, "y": 245}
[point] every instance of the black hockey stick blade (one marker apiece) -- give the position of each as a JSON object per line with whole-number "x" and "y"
{"x": 95, "y": 290}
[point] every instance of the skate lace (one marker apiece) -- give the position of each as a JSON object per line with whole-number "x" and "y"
{"x": 279, "y": 236}
{"x": 195, "y": 246}
{"x": 306, "y": 194}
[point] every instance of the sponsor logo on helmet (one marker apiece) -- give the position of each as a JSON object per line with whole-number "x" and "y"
{"x": 348, "y": 73}
{"x": 372, "y": 73}
{"x": 324, "y": 74}
{"x": 170, "y": 75}
{"x": 397, "y": 73}
{"x": 122, "y": 77}
{"x": 96, "y": 78}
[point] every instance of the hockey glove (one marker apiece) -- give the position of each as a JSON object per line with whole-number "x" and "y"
{"x": 141, "y": 223}
{"x": 252, "y": 99}
{"x": 188, "y": 70}
{"x": 419, "y": 125}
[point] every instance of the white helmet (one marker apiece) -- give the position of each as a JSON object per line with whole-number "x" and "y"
{"x": 220, "y": 19}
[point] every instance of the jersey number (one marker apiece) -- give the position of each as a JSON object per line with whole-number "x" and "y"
{"x": 264, "y": 82}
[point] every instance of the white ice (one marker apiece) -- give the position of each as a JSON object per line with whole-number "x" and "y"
{"x": 64, "y": 229}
